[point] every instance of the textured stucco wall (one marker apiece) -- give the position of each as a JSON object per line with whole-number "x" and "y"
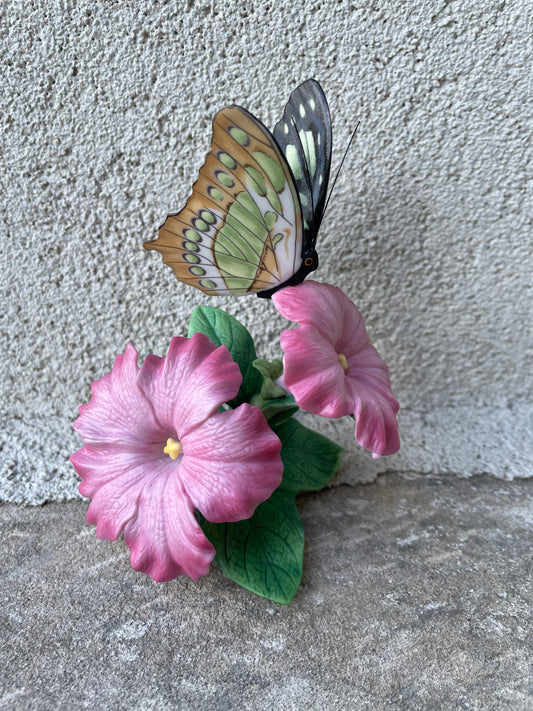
{"x": 106, "y": 114}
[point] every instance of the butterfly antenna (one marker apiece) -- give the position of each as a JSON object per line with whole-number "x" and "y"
{"x": 340, "y": 166}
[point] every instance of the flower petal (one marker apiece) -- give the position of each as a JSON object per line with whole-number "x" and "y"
{"x": 164, "y": 536}
{"x": 147, "y": 501}
{"x": 190, "y": 383}
{"x": 114, "y": 483}
{"x": 313, "y": 373}
{"x": 118, "y": 412}
{"x": 374, "y": 405}
{"x": 97, "y": 465}
{"x": 323, "y": 306}
{"x": 231, "y": 463}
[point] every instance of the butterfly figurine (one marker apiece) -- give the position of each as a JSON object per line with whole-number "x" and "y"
{"x": 251, "y": 223}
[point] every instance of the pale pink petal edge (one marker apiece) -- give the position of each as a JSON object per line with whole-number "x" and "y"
{"x": 231, "y": 464}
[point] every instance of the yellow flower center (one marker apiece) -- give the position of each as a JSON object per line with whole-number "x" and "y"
{"x": 173, "y": 448}
{"x": 343, "y": 361}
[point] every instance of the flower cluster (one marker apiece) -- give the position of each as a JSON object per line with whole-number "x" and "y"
{"x": 173, "y": 448}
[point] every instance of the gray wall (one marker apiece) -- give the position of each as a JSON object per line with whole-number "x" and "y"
{"x": 106, "y": 120}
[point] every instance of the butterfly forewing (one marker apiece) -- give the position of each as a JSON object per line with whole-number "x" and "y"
{"x": 304, "y": 135}
{"x": 241, "y": 230}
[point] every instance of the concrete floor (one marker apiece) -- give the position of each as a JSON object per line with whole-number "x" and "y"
{"x": 417, "y": 594}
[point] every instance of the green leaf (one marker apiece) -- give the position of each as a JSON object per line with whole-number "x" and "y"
{"x": 310, "y": 460}
{"x": 269, "y": 369}
{"x": 278, "y": 410}
{"x": 223, "y": 329}
{"x": 263, "y": 554}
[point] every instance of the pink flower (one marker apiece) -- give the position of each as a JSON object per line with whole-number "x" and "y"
{"x": 156, "y": 448}
{"x": 330, "y": 366}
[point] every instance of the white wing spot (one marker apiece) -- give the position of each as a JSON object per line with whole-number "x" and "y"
{"x": 317, "y": 139}
{"x": 312, "y": 104}
{"x": 302, "y": 110}
{"x": 291, "y": 154}
{"x": 308, "y": 144}
{"x": 320, "y": 179}
{"x": 286, "y": 129}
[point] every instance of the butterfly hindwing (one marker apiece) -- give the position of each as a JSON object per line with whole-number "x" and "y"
{"x": 304, "y": 135}
{"x": 241, "y": 229}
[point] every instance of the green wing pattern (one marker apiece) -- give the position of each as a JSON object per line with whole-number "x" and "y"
{"x": 241, "y": 229}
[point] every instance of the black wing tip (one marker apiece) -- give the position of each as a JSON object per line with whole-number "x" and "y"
{"x": 311, "y": 82}
{"x": 313, "y": 85}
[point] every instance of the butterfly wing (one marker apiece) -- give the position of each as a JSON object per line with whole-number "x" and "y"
{"x": 304, "y": 135}
{"x": 241, "y": 229}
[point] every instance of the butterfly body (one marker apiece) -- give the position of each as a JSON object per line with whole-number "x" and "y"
{"x": 251, "y": 222}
